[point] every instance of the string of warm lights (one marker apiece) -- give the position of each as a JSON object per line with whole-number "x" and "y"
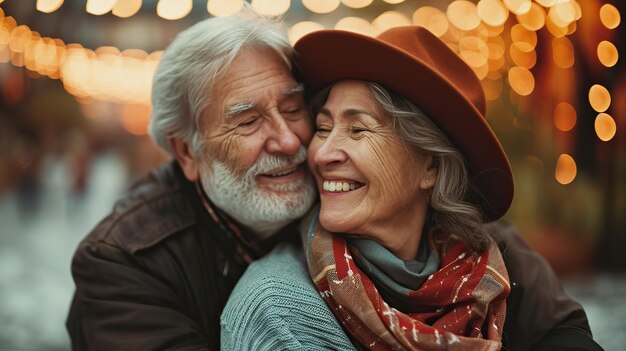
{"x": 497, "y": 38}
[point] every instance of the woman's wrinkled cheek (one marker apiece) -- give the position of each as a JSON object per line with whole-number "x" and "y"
{"x": 387, "y": 155}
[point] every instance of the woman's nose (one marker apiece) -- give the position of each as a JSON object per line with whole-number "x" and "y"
{"x": 330, "y": 152}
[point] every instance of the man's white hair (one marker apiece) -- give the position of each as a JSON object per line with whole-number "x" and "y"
{"x": 194, "y": 61}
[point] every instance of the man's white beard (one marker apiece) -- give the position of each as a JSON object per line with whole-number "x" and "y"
{"x": 264, "y": 211}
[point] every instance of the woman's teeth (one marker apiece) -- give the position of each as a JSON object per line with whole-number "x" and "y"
{"x": 334, "y": 186}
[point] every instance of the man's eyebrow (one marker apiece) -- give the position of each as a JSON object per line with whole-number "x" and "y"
{"x": 239, "y": 108}
{"x": 297, "y": 89}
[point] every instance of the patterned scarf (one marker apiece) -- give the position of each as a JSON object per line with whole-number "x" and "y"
{"x": 462, "y": 305}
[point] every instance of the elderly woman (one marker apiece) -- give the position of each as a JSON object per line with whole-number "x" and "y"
{"x": 409, "y": 172}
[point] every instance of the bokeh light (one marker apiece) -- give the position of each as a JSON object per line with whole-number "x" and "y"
{"x": 605, "y": 127}
{"x": 607, "y": 53}
{"x": 432, "y": 19}
{"x": 473, "y": 51}
{"x": 393, "y": 2}
{"x": 564, "y": 116}
{"x": 555, "y": 29}
{"x": 492, "y": 12}
{"x": 563, "y": 52}
{"x": 48, "y": 6}
{"x": 355, "y": 24}
{"x": 320, "y": 6}
{"x": 521, "y": 81}
{"x": 99, "y": 7}
{"x": 565, "y": 171}
{"x": 518, "y": 7}
{"x": 599, "y": 98}
{"x": 610, "y": 16}
{"x": 174, "y": 9}
{"x": 126, "y": 8}
{"x": 463, "y": 14}
{"x": 492, "y": 88}
{"x": 220, "y": 8}
{"x": 563, "y": 13}
{"x": 521, "y": 58}
{"x": 357, "y": 4}
{"x": 301, "y": 29}
{"x": 534, "y": 19}
{"x": 546, "y": 3}
{"x": 389, "y": 20}
{"x": 272, "y": 7}
{"x": 523, "y": 39}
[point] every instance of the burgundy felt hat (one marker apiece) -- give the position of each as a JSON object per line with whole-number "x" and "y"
{"x": 414, "y": 63}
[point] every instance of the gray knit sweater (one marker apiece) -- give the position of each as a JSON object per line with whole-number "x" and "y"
{"x": 276, "y": 307}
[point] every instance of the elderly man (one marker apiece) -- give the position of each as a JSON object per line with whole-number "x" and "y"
{"x": 156, "y": 273}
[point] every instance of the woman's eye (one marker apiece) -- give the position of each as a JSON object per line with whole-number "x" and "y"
{"x": 322, "y": 131}
{"x": 358, "y": 130}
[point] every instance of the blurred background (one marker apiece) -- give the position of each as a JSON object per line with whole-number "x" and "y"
{"x": 75, "y": 80}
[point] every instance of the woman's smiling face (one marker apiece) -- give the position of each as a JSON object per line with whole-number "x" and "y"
{"x": 369, "y": 181}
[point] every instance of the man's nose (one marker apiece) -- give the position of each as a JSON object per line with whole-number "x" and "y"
{"x": 283, "y": 140}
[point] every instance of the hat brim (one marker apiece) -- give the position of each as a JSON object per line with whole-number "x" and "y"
{"x": 329, "y": 56}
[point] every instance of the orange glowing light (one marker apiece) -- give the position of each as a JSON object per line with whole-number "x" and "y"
{"x": 174, "y": 9}
{"x": 527, "y": 60}
{"x": 521, "y": 81}
{"x": 474, "y": 51}
{"x": 609, "y": 16}
{"x": 523, "y": 39}
{"x": 564, "y": 117}
{"x": 320, "y": 6}
{"x": 554, "y": 29}
{"x": 607, "y": 53}
{"x": 100, "y": 7}
{"x": 301, "y": 29}
{"x": 492, "y": 88}
{"x": 563, "y": 52}
{"x": 221, "y": 8}
{"x": 126, "y": 8}
{"x": 599, "y": 98}
{"x": 48, "y": 6}
{"x": 534, "y": 19}
{"x": 563, "y": 13}
{"x": 565, "y": 171}
{"x": 518, "y": 7}
{"x": 496, "y": 48}
{"x": 546, "y": 3}
{"x": 390, "y": 19}
{"x": 355, "y": 24}
{"x": 432, "y": 19}
{"x": 357, "y": 4}
{"x": 605, "y": 127}
{"x": 492, "y": 12}
{"x": 463, "y": 15}
{"x": 135, "y": 119}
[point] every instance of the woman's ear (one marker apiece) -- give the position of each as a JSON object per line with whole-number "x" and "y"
{"x": 429, "y": 176}
{"x": 186, "y": 159}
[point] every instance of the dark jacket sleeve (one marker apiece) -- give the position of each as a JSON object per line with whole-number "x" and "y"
{"x": 540, "y": 316}
{"x": 119, "y": 305}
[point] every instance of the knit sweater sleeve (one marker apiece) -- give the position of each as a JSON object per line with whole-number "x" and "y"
{"x": 276, "y": 307}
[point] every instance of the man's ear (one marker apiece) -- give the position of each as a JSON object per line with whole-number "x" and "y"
{"x": 186, "y": 159}
{"x": 429, "y": 176}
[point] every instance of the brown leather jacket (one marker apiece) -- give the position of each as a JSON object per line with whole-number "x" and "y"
{"x": 155, "y": 274}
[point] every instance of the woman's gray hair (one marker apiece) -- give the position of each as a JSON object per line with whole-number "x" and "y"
{"x": 450, "y": 211}
{"x": 194, "y": 61}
